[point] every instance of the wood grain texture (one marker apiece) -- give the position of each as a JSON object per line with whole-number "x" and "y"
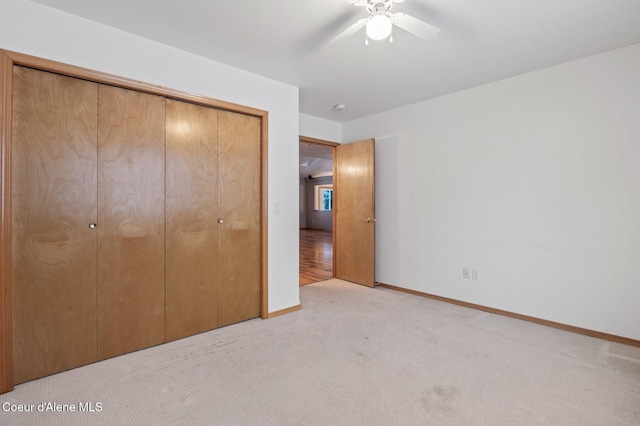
{"x": 316, "y": 141}
{"x": 191, "y": 219}
{"x": 316, "y": 256}
{"x": 6, "y": 287}
{"x": 239, "y": 204}
{"x": 355, "y": 212}
{"x": 264, "y": 216}
{"x": 127, "y": 83}
{"x": 131, "y": 159}
{"x": 54, "y": 200}
{"x": 285, "y": 311}
{"x": 7, "y": 60}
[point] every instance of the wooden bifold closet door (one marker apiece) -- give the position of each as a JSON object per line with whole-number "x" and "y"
{"x": 239, "y": 207}
{"x": 131, "y": 156}
{"x": 54, "y": 200}
{"x": 213, "y": 220}
{"x": 135, "y": 220}
{"x": 88, "y": 222}
{"x": 192, "y": 219}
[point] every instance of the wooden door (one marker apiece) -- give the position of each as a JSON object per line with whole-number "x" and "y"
{"x": 131, "y": 156}
{"x": 239, "y": 217}
{"x": 53, "y": 203}
{"x": 354, "y": 201}
{"x": 191, "y": 218}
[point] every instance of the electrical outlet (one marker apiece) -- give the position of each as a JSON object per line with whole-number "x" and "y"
{"x": 475, "y": 275}
{"x": 465, "y": 273}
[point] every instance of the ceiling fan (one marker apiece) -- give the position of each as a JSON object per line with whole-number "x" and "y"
{"x": 379, "y": 24}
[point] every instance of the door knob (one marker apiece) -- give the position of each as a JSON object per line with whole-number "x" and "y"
{"x": 93, "y": 225}
{"x": 367, "y": 220}
{"x": 220, "y": 220}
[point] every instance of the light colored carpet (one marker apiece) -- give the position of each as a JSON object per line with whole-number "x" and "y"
{"x": 354, "y": 356}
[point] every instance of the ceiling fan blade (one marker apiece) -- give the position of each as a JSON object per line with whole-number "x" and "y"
{"x": 348, "y": 32}
{"x": 415, "y": 26}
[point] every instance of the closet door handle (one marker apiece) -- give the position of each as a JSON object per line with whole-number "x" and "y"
{"x": 220, "y": 221}
{"x": 93, "y": 225}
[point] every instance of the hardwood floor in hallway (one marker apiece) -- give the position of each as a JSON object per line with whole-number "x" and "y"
{"x": 316, "y": 256}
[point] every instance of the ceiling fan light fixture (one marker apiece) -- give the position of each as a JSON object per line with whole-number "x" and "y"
{"x": 379, "y": 26}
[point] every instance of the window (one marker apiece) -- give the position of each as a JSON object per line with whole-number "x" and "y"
{"x": 323, "y": 197}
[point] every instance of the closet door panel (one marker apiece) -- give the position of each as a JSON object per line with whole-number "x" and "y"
{"x": 53, "y": 203}
{"x": 131, "y": 155}
{"x": 239, "y": 209}
{"x": 191, "y": 217}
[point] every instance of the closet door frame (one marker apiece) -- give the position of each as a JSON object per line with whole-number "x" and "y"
{"x": 7, "y": 61}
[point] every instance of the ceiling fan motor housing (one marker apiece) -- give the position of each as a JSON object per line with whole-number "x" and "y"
{"x": 379, "y": 24}
{"x": 378, "y": 6}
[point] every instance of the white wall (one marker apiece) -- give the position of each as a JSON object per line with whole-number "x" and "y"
{"x": 319, "y": 128}
{"x": 41, "y": 31}
{"x": 534, "y": 181}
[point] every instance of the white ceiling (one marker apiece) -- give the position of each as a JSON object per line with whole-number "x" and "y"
{"x": 315, "y": 160}
{"x": 479, "y": 42}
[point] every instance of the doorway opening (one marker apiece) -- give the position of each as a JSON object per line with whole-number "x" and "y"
{"x": 316, "y": 210}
